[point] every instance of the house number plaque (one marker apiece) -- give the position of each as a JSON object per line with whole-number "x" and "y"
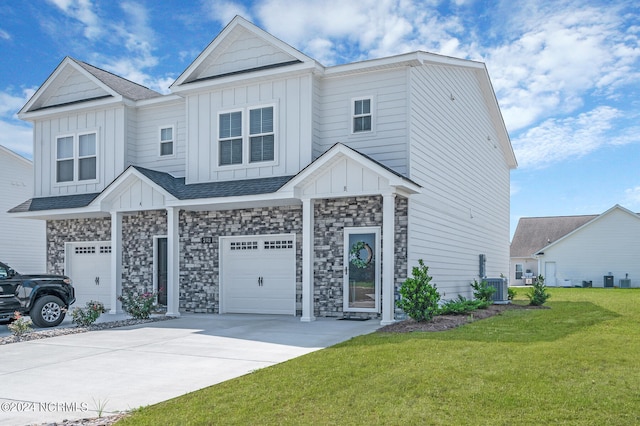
{"x": 206, "y": 240}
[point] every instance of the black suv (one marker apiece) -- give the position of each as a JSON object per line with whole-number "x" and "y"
{"x": 45, "y": 298}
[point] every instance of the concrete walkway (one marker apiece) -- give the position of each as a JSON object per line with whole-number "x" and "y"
{"x": 75, "y": 376}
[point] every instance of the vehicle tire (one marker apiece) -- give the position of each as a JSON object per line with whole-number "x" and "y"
{"x": 47, "y": 311}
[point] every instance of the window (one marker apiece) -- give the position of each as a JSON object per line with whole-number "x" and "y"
{"x": 76, "y": 163}
{"x": 255, "y": 137}
{"x": 166, "y": 141}
{"x": 362, "y": 115}
{"x": 230, "y": 138}
{"x": 518, "y": 271}
{"x": 261, "y": 139}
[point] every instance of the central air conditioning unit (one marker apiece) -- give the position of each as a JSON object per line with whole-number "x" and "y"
{"x": 501, "y": 295}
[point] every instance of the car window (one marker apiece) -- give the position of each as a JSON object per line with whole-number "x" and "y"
{"x": 3, "y": 272}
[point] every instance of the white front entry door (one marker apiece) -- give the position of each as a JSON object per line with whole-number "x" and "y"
{"x": 550, "y": 274}
{"x": 88, "y": 264}
{"x": 258, "y": 274}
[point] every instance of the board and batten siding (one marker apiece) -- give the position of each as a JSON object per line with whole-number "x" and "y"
{"x": 22, "y": 245}
{"x": 111, "y": 128}
{"x": 463, "y": 210}
{"x": 609, "y": 244}
{"x": 147, "y": 137}
{"x": 291, "y": 98}
{"x": 387, "y": 142}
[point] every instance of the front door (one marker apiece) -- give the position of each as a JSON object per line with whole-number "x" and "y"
{"x": 362, "y": 270}
{"x": 161, "y": 270}
{"x": 550, "y": 274}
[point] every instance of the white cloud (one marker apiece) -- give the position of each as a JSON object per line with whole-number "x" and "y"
{"x": 82, "y": 11}
{"x": 4, "y": 35}
{"x": 556, "y": 139}
{"x": 223, "y": 11}
{"x": 632, "y": 198}
{"x": 15, "y": 134}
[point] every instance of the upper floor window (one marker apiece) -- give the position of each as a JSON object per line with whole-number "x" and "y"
{"x": 362, "y": 115}
{"x": 166, "y": 141}
{"x": 76, "y": 158}
{"x": 261, "y": 135}
{"x": 257, "y": 136}
{"x": 230, "y": 134}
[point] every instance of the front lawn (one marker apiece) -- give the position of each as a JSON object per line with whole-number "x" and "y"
{"x": 573, "y": 364}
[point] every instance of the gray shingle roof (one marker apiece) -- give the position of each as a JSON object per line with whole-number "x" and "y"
{"x": 174, "y": 186}
{"x": 233, "y": 188}
{"x": 122, "y": 86}
{"x": 534, "y": 233}
{"x": 55, "y": 203}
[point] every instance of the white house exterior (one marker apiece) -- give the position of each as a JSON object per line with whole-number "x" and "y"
{"x": 268, "y": 183}
{"x": 22, "y": 242}
{"x": 602, "y": 252}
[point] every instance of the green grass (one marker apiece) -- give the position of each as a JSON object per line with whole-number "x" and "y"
{"x": 573, "y": 364}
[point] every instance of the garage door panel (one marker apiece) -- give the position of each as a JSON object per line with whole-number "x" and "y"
{"x": 89, "y": 267}
{"x": 259, "y": 274}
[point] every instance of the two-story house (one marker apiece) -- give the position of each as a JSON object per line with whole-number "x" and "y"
{"x": 269, "y": 183}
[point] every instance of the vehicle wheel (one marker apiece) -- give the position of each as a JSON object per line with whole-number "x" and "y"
{"x": 47, "y": 311}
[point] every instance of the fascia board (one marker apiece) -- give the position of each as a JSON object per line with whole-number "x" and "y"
{"x": 65, "y": 109}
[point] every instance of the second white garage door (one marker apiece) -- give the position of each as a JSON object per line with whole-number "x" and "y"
{"x": 258, "y": 274}
{"x": 89, "y": 267}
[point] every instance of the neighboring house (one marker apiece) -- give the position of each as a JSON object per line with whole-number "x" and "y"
{"x": 591, "y": 250}
{"x": 268, "y": 183}
{"x": 22, "y": 242}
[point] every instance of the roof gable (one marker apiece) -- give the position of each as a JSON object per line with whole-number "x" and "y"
{"x": 240, "y": 47}
{"x": 75, "y": 81}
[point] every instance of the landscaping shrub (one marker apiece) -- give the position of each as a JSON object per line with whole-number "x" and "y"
{"x": 87, "y": 315}
{"x": 419, "y": 298}
{"x": 483, "y": 291}
{"x": 139, "y": 306}
{"x": 538, "y": 293}
{"x": 461, "y": 306}
{"x": 20, "y": 325}
{"x": 511, "y": 293}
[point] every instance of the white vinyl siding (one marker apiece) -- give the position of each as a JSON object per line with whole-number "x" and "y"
{"x": 463, "y": 210}
{"x": 388, "y": 92}
{"x": 292, "y": 109}
{"x": 609, "y": 244}
{"x": 23, "y": 241}
{"x": 109, "y": 126}
{"x": 149, "y": 121}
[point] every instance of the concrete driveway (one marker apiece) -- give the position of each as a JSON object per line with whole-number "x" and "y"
{"x": 75, "y": 376}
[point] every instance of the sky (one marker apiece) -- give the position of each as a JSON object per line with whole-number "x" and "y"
{"x": 566, "y": 72}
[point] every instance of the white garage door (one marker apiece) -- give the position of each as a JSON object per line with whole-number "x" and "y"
{"x": 89, "y": 267}
{"x": 259, "y": 274}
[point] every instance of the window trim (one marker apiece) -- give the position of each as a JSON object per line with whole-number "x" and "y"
{"x": 353, "y": 115}
{"x": 521, "y": 271}
{"x": 246, "y": 137}
{"x": 75, "y": 136}
{"x": 161, "y": 142}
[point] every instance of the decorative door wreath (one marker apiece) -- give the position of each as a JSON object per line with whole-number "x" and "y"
{"x": 356, "y": 255}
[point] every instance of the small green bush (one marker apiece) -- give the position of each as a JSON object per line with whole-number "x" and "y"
{"x": 461, "y": 306}
{"x": 20, "y": 325}
{"x": 511, "y": 293}
{"x": 139, "y": 306}
{"x": 419, "y": 298}
{"x": 538, "y": 294}
{"x": 88, "y": 315}
{"x": 483, "y": 291}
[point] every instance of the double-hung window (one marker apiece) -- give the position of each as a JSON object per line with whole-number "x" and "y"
{"x": 230, "y": 138}
{"x": 261, "y": 135}
{"x": 246, "y": 136}
{"x": 166, "y": 141}
{"x": 362, "y": 115}
{"x": 76, "y": 158}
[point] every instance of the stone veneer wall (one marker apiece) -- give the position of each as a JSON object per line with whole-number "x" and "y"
{"x": 199, "y": 263}
{"x": 401, "y": 249}
{"x": 331, "y": 217}
{"x": 69, "y": 231}
{"x": 138, "y": 231}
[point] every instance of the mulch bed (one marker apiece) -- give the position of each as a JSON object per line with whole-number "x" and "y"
{"x": 447, "y": 322}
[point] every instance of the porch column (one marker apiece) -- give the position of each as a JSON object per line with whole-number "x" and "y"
{"x": 388, "y": 258}
{"x": 173, "y": 262}
{"x": 307, "y": 260}
{"x": 116, "y": 262}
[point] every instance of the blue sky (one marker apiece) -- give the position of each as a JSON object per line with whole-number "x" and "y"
{"x": 566, "y": 73}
